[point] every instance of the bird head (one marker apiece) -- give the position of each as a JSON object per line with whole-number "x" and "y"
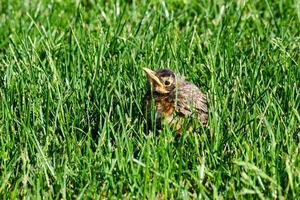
{"x": 162, "y": 81}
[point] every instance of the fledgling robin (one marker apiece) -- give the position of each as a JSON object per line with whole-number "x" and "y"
{"x": 175, "y": 99}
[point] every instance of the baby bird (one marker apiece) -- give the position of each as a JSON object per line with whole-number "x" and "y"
{"x": 175, "y": 99}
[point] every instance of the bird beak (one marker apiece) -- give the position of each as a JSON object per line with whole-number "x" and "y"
{"x": 152, "y": 77}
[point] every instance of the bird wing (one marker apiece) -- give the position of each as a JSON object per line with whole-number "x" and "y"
{"x": 190, "y": 100}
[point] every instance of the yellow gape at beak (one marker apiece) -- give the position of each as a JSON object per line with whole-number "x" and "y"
{"x": 153, "y": 78}
{"x": 155, "y": 81}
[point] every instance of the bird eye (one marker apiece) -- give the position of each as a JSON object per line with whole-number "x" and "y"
{"x": 167, "y": 82}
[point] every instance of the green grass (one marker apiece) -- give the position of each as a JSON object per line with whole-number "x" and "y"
{"x": 71, "y": 85}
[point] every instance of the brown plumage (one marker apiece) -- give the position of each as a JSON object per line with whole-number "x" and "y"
{"x": 175, "y": 99}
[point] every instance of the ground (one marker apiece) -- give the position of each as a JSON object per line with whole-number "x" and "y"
{"x": 71, "y": 86}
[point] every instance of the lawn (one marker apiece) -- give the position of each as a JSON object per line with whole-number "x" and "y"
{"x": 72, "y": 84}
